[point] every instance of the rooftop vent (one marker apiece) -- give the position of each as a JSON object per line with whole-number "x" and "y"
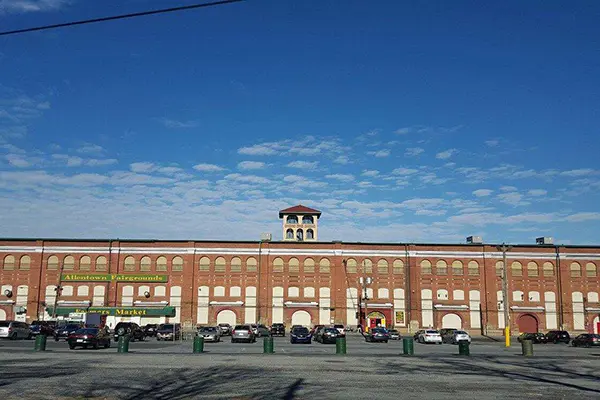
{"x": 474, "y": 240}
{"x": 544, "y": 240}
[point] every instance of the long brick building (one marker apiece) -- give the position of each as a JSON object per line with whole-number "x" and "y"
{"x": 301, "y": 280}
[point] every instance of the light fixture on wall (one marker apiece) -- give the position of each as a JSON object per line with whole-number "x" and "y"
{"x": 146, "y": 294}
{"x": 8, "y": 293}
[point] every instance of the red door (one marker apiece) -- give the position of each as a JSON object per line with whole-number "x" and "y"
{"x": 528, "y": 324}
{"x": 597, "y": 327}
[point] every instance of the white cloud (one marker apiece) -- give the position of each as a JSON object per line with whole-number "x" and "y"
{"x": 492, "y": 143}
{"x": 583, "y": 216}
{"x": 300, "y": 182}
{"x": 90, "y": 148}
{"x": 142, "y": 167}
{"x": 404, "y": 171}
{"x": 537, "y": 192}
{"x": 482, "y": 192}
{"x": 342, "y": 160}
{"x": 512, "y": 198}
{"x": 17, "y": 161}
{"x": 508, "y": 188}
{"x": 422, "y": 203}
{"x": 413, "y": 151}
{"x": 430, "y": 213}
{"x": 306, "y": 165}
{"x": 379, "y": 153}
{"x": 25, "y": 6}
{"x": 246, "y": 165}
{"x": 370, "y": 172}
{"x": 175, "y": 124}
{"x": 265, "y": 149}
{"x": 247, "y": 178}
{"x": 208, "y": 168}
{"x": 579, "y": 172}
{"x": 402, "y": 131}
{"x": 444, "y": 155}
{"x": 341, "y": 177}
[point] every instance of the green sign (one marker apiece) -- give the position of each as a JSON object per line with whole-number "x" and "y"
{"x": 114, "y": 278}
{"x": 116, "y": 311}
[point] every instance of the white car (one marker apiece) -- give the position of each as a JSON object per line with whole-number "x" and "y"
{"x": 430, "y": 336}
{"x": 460, "y": 336}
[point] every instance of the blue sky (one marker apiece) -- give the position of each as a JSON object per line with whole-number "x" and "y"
{"x": 418, "y": 121}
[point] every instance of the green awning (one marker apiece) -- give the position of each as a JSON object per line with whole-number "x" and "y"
{"x": 116, "y": 311}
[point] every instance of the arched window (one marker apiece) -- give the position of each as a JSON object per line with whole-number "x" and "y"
{"x": 324, "y": 266}
{"x": 457, "y": 268}
{"x": 177, "y": 263}
{"x": 398, "y": 267}
{"x": 499, "y": 268}
{"x": 85, "y": 263}
{"x": 590, "y": 270}
{"x": 129, "y": 264}
{"x": 278, "y": 265}
{"x": 368, "y": 266}
{"x": 532, "y": 269}
{"x": 383, "y": 267}
{"x": 161, "y": 264}
{"x": 293, "y": 291}
{"x": 289, "y": 234}
{"x": 294, "y": 265}
{"x": 145, "y": 264}
{"x": 235, "y": 291}
{"x": 300, "y": 235}
{"x": 473, "y": 268}
{"x": 310, "y": 234}
{"x": 309, "y": 292}
{"x": 548, "y": 269}
{"x": 100, "y": 263}
{"x": 309, "y": 265}
{"x": 67, "y": 291}
{"x": 441, "y": 268}
{"x": 219, "y": 291}
{"x": 534, "y": 297}
{"x": 25, "y": 263}
{"x": 383, "y": 293}
{"x": 518, "y": 295}
{"x": 236, "y": 264}
{"x": 458, "y": 294}
{"x": 516, "y": 269}
{"x": 251, "y": 264}
{"x": 53, "y": 262}
{"x": 292, "y": 219}
{"x": 69, "y": 263}
{"x": 83, "y": 291}
{"x": 442, "y": 294}
{"x": 204, "y": 264}
{"x": 351, "y": 266}
{"x": 308, "y": 219}
{"x": 575, "y": 270}
{"x": 426, "y": 267}
{"x": 220, "y": 264}
{"x": 9, "y": 263}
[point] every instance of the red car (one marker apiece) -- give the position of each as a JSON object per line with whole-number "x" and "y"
{"x": 89, "y": 337}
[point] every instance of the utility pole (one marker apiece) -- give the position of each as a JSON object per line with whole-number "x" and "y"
{"x": 504, "y": 248}
{"x": 364, "y": 281}
{"x": 58, "y": 291}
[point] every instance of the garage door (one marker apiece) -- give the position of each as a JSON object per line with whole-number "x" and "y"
{"x": 226, "y": 317}
{"x": 451, "y": 321}
{"x": 301, "y": 318}
{"x": 528, "y": 324}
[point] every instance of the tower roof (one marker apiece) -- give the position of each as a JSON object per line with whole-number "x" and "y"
{"x": 300, "y": 209}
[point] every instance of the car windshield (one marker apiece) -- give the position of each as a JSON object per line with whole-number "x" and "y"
{"x": 86, "y": 331}
{"x": 167, "y": 326}
{"x": 338, "y": 326}
{"x": 300, "y": 330}
{"x": 331, "y": 330}
{"x": 461, "y": 332}
{"x": 4, "y": 324}
{"x": 242, "y": 327}
{"x": 432, "y": 332}
{"x": 378, "y": 330}
{"x": 208, "y": 329}
{"x": 393, "y": 331}
{"x": 72, "y": 326}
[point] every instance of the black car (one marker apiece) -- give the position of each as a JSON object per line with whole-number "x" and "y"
{"x": 89, "y": 337}
{"x": 558, "y": 337}
{"x": 586, "y": 340}
{"x": 132, "y": 329}
{"x": 169, "y": 332}
{"x": 377, "y": 335}
{"x": 42, "y": 328}
{"x": 326, "y": 335}
{"x": 300, "y": 335}
{"x": 536, "y": 338}
{"x": 150, "y": 330}
{"x": 63, "y": 331}
{"x": 278, "y": 329}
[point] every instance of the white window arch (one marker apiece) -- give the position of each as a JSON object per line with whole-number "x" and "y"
{"x": 219, "y": 291}
{"x": 83, "y": 290}
{"x": 442, "y": 294}
{"x": 235, "y": 291}
{"x": 383, "y": 293}
{"x": 293, "y": 291}
{"x": 534, "y": 296}
{"x": 160, "y": 291}
{"x": 309, "y": 292}
{"x": 67, "y": 291}
{"x": 142, "y": 290}
{"x": 458, "y": 294}
{"x": 518, "y": 295}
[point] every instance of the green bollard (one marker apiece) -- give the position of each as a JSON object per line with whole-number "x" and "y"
{"x": 340, "y": 345}
{"x": 408, "y": 346}
{"x": 123, "y": 346}
{"x": 268, "y": 345}
{"x": 527, "y": 347}
{"x": 198, "y": 344}
{"x": 40, "y": 343}
{"x": 463, "y": 348}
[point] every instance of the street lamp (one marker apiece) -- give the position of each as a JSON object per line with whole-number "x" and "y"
{"x": 504, "y": 248}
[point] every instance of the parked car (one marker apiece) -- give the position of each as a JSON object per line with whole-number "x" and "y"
{"x": 168, "y": 332}
{"x": 263, "y": 331}
{"x": 300, "y": 335}
{"x": 558, "y": 337}
{"x": 349, "y": 328}
{"x": 394, "y": 334}
{"x": 586, "y": 340}
{"x": 42, "y": 328}
{"x": 210, "y": 333}
{"x": 254, "y": 328}
{"x": 14, "y": 330}
{"x": 89, "y": 337}
{"x": 243, "y": 333}
{"x": 430, "y": 336}
{"x": 417, "y": 334}
{"x": 377, "y": 335}
{"x": 315, "y": 329}
{"x": 534, "y": 337}
{"x": 132, "y": 329}
{"x": 460, "y": 336}
{"x": 295, "y": 327}
{"x": 447, "y": 334}
{"x": 150, "y": 330}
{"x": 277, "y": 329}
{"x": 340, "y": 329}
{"x": 326, "y": 335}
{"x": 63, "y": 331}
{"x": 225, "y": 329}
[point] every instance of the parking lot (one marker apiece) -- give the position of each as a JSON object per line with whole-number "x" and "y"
{"x": 153, "y": 370}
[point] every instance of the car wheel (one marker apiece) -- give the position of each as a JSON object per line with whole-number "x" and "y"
{"x": 107, "y": 344}
{"x": 386, "y": 341}
{"x": 95, "y": 345}
{"x": 13, "y": 336}
{"x": 71, "y": 347}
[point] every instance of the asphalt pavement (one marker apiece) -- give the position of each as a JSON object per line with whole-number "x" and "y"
{"x": 158, "y": 370}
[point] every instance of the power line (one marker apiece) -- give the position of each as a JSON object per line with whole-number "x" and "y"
{"x": 116, "y": 17}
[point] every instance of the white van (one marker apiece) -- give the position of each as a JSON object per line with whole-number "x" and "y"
{"x": 14, "y": 330}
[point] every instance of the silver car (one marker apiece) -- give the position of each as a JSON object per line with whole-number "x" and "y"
{"x": 14, "y": 330}
{"x": 243, "y": 333}
{"x": 460, "y": 336}
{"x": 210, "y": 333}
